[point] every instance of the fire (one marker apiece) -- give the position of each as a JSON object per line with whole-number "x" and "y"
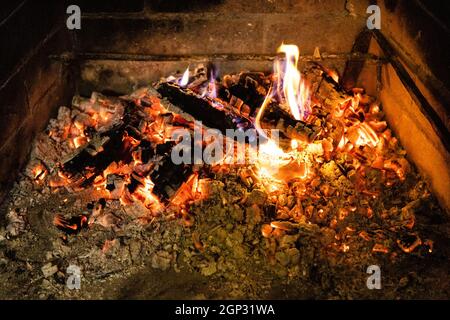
{"x": 291, "y": 168}
{"x": 144, "y": 194}
{"x": 79, "y": 141}
{"x": 39, "y": 172}
{"x": 211, "y": 89}
{"x": 291, "y": 89}
{"x": 275, "y": 165}
{"x": 185, "y": 79}
{"x": 260, "y": 113}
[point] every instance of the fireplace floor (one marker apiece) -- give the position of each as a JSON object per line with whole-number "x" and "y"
{"x": 159, "y": 261}
{"x": 240, "y": 240}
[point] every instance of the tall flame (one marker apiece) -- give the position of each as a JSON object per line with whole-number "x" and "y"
{"x": 291, "y": 88}
{"x": 275, "y": 165}
{"x": 185, "y": 79}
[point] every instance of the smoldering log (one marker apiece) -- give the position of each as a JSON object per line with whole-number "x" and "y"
{"x": 248, "y": 91}
{"x": 276, "y": 118}
{"x": 202, "y": 109}
{"x": 168, "y": 177}
{"x": 104, "y": 147}
{"x": 245, "y": 91}
{"x": 222, "y": 119}
{"x": 97, "y": 154}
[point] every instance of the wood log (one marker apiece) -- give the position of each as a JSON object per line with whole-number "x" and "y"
{"x": 213, "y": 113}
{"x": 230, "y": 117}
{"x": 276, "y": 118}
{"x": 168, "y": 177}
{"x": 245, "y": 91}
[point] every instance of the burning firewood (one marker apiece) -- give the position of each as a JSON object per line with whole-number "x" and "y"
{"x": 276, "y": 118}
{"x": 213, "y": 115}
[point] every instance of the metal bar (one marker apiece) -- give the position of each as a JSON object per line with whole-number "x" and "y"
{"x": 219, "y": 57}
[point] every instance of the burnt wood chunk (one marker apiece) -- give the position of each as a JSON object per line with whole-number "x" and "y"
{"x": 168, "y": 177}
{"x": 277, "y": 118}
{"x": 248, "y": 92}
{"x": 212, "y": 113}
{"x": 97, "y": 154}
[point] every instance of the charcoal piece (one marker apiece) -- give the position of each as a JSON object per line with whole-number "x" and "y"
{"x": 270, "y": 211}
{"x": 111, "y": 181}
{"x": 133, "y": 132}
{"x": 147, "y": 151}
{"x": 165, "y": 148}
{"x": 104, "y": 147}
{"x": 111, "y": 150}
{"x": 168, "y": 177}
{"x": 134, "y": 183}
{"x": 201, "y": 109}
{"x": 250, "y": 89}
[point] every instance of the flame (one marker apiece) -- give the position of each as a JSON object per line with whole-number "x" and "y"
{"x": 39, "y": 172}
{"x": 212, "y": 93}
{"x": 210, "y": 90}
{"x": 258, "y": 117}
{"x": 291, "y": 88}
{"x": 272, "y": 160}
{"x": 185, "y": 79}
{"x": 145, "y": 195}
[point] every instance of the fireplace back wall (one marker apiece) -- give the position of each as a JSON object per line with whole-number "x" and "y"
{"x": 146, "y": 40}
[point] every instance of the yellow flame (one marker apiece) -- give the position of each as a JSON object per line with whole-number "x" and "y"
{"x": 212, "y": 93}
{"x": 289, "y": 80}
{"x": 258, "y": 117}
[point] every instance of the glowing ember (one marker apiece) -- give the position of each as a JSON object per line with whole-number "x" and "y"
{"x": 39, "y": 172}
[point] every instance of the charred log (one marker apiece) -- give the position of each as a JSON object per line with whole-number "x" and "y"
{"x": 168, "y": 177}
{"x": 245, "y": 93}
{"x": 213, "y": 115}
{"x": 276, "y": 118}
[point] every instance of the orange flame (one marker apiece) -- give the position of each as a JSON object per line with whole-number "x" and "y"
{"x": 291, "y": 88}
{"x": 145, "y": 195}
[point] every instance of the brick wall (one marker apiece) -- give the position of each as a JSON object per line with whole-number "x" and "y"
{"x": 219, "y": 27}
{"x": 32, "y": 85}
{"x": 121, "y": 48}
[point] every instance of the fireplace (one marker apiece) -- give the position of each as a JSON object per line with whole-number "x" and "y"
{"x": 224, "y": 149}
